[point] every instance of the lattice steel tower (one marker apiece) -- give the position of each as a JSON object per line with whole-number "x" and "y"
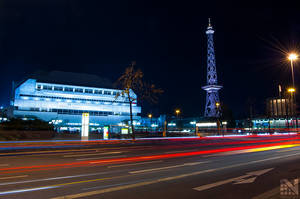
{"x": 212, "y": 108}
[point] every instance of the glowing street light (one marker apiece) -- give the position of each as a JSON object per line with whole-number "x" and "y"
{"x": 291, "y": 90}
{"x": 218, "y": 118}
{"x": 292, "y": 57}
{"x": 150, "y": 117}
{"x": 218, "y": 108}
{"x": 177, "y": 111}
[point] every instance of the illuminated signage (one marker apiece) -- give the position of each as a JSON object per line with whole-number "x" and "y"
{"x": 85, "y": 125}
{"x": 105, "y": 133}
{"x": 208, "y": 124}
{"x": 124, "y": 131}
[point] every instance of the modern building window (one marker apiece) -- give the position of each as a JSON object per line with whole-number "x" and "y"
{"x": 88, "y": 90}
{"x": 98, "y": 92}
{"x": 115, "y": 93}
{"x": 39, "y": 87}
{"x": 34, "y": 109}
{"x": 46, "y": 87}
{"x": 71, "y": 112}
{"x": 78, "y": 90}
{"x": 58, "y": 88}
{"x": 68, "y": 98}
{"x": 68, "y": 89}
{"x": 107, "y": 92}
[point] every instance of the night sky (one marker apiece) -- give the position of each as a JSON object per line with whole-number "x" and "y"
{"x": 167, "y": 39}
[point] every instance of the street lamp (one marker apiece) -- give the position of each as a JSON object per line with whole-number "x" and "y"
{"x": 218, "y": 105}
{"x": 177, "y": 111}
{"x": 218, "y": 116}
{"x": 150, "y": 117}
{"x": 292, "y": 57}
{"x": 292, "y": 91}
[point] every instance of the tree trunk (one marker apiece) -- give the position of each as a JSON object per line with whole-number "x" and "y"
{"x": 131, "y": 120}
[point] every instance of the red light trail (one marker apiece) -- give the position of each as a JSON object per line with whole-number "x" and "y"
{"x": 138, "y": 158}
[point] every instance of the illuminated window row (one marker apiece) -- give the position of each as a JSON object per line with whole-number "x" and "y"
{"x": 79, "y": 112}
{"x": 76, "y": 90}
{"x": 74, "y": 112}
{"x": 75, "y": 99}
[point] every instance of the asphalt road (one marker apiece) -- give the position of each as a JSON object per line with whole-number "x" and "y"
{"x": 250, "y": 167}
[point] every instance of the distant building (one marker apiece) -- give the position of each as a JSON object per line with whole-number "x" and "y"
{"x": 155, "y": 122}
{"x": 61, "y": 98}
{"x": 3, "y": 114}
{"x": 279, "y": 107}
{"x": 280, "y": 117}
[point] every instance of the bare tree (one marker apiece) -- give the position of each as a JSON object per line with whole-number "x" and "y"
{"x": 132, "y": 82}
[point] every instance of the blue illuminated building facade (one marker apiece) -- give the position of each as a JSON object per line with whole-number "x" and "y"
{"x": 63, "y": 104}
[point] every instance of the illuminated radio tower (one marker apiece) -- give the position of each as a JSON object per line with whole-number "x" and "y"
{"x": 212, "y": 107}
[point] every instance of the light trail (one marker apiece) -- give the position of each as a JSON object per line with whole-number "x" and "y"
{"x": 164, "y": 179}
{"x": 168, "y": 167}
{"x": 133, "y": 164}
{"x": 266, "y": 134}
{"x": 227, "y": 142}
{"x": 79, "y": 143}
{"x": 136, "y": 158}
{"x": 26, "y": 190}
{"x": 107, "y": 157}
{"x": 12, "y": 177}
{"x": 55, "y": 178}
{"x": 92, "y": 154}
{"x": 152, "y": 181}
{"x": 273, "y": 147}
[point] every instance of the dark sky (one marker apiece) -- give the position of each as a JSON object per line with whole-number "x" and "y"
{"x": 167, "y": 39}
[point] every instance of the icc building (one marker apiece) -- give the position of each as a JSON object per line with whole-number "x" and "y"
{"x": 61, "y": 98}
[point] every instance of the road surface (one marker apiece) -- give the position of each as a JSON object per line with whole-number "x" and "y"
{"x": 249, "y": 167}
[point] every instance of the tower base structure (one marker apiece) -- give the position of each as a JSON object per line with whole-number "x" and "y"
{"x": 212, "y": 98}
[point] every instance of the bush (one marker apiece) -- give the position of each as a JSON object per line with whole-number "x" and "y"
{"x": 26, "y": 125}
{"x": 26, "y": 135}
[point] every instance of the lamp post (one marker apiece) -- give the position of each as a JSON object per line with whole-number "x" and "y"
{"x": 218, "y": 106}
{"x": 218, "y": 117}
{"x": 177, "y": 111}
{"x": 292, "y": 57}
{"x": 150, "y": 117}
{"x": 292, "y": 91}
